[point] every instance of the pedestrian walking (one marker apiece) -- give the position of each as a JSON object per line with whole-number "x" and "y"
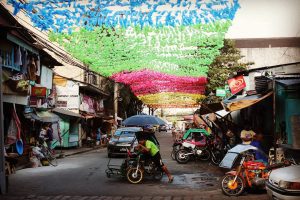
{"x": 99, "y": 137}
{"x": 49, "y": 135}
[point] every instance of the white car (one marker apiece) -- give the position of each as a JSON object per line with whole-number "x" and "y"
{"x": 284, "y": 183}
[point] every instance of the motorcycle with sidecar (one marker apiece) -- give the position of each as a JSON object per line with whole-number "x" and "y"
{"x": 197, "y": 143}
{"x": 136, "y": 166}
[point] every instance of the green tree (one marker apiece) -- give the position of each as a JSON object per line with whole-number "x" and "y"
{"x": 128, "y": 103}
{"x": 227, "y": 64}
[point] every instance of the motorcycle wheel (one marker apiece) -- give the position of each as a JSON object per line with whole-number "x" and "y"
{"x": 157, "y": 174}
{"x": 216, "y": 157}
{"x": 173, "y": 155}
{"x": 231, "y": 188}
{"x": 205, "y": 155}
{"x": 174, "y": 151}
{"x": 134, "y": 175}
{"x": 181, "y": 157}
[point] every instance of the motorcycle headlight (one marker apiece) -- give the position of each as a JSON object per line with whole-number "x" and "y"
{"x": 289, "y": 185}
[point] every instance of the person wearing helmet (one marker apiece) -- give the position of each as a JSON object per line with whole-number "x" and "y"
{"x": 150, "y": 148}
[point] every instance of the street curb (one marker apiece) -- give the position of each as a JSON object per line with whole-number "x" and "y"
{"x": 63, "y": 155}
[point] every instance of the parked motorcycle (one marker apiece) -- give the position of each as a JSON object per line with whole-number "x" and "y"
{"x": 246, "y": 172}
{"x": 175, "y": 147}
{"x": 201, "y": 145}
{"x": 195, "y": 147}
{"x": 188, "y": 135}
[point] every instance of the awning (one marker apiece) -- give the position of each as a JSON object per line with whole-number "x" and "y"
{"x": 240, "y": 103}
{"x": 119, "y": 118}
{"x": 44, "y": 116}
{"x": 289, "y": 82}
{"x": 209, "y": 108}
{"x": 66, "y": 112}
{"x": 222, "y": 113}
{"x": 88, "y": 116}
{"x": 111, "y": 121}
{"x": 188, "y": 117}
{"x": 48, "y": 116}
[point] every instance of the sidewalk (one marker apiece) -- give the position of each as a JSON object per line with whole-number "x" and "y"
{"x": 73, "y": 151}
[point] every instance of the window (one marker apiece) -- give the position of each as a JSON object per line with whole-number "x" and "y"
{"x": 8, "y": 59}
{"x": 91, "y": 78}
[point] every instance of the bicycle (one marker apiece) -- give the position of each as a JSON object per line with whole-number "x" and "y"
{"x": 48, "y": 153}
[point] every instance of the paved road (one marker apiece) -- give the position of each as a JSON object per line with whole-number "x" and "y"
{"x": 83, "y": 176}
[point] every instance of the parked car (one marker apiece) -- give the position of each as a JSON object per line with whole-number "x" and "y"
{"x": 169, "y": 126}
{"x": 162, "y": 127}
{"x": 284, "y": 183}
{"x": 126, "y": 138}
{"x": 123, "y": 139}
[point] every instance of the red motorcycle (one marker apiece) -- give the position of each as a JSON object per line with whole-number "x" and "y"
{"x": 246, "y": 172}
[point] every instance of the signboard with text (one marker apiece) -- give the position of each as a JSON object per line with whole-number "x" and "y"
{"x": 68, "y": 97}
{"x": 38, "y": 91}
{"x": 220, "y": 92}
{"x": 236, "y": 84}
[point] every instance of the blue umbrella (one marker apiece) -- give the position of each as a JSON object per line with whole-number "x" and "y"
{"x": 142, "y": 120}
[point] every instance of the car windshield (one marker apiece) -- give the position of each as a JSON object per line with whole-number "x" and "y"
{"x": 120, "y": 133}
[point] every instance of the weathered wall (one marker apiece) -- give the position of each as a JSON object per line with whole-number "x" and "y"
{"x": 270, "y": 56}
{"x": 266, "y": 19}
{"x": 70, "y": 71}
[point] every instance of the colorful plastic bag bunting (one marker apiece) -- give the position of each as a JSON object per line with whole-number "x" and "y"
{"x": 162, "y": 49}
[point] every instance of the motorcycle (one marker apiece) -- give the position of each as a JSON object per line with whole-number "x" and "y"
{"x": 202, "y": 146}
{"x": 196, "y": 147}
{"x": 245, "y": 171}
{"x": 175, "y": 147}
{"x": 141, "y": 167}
{"x": 188, "y": 135}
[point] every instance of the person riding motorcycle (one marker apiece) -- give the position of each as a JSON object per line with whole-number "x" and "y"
{"x": 149, "y": 147}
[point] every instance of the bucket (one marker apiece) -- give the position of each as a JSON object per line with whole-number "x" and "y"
{"x": 19, "y": 147}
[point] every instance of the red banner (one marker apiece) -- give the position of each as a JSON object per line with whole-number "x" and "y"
{"x": 38, "y": 91}
{"x": 236, "y": 84}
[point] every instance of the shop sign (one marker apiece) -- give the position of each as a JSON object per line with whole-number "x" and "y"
{"x": 220, "y": 92}
{"x": 68, "y": 96}
{"x": 236, "y": 84}
{"x": 38, "y": 91}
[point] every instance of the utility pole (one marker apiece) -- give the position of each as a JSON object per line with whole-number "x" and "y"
{"x": 2, "y": 158}
{"x": 116, "y": 96}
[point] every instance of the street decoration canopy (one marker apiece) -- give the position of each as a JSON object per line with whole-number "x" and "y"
{"x": 161, "y": 48}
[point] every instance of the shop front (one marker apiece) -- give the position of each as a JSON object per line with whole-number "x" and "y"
{"x": 69, "y": 127}
{"x": 287, "y": 99}
{"x": 67, "y": 107}
{"x": 92, "y": 111}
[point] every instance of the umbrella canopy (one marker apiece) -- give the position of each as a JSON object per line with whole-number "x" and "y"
{"x": 142, "y": 120}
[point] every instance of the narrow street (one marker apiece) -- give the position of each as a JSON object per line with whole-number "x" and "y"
{"x": 219, "y": 75}
{"x": 82, "y": 176}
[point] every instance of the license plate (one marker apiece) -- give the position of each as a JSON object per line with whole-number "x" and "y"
{"x": 123, "y": 149}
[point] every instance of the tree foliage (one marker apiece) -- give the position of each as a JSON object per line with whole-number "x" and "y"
{"x": 224, "y": 66}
